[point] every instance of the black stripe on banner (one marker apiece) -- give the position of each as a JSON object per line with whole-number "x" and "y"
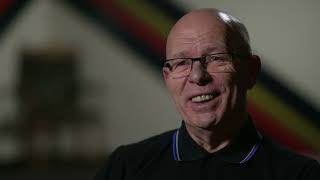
{"x": 121, "y": 33}
{"x": 171, "y": 9}
{"x": 288, "y": 96}
{"x": 10, "y": 14}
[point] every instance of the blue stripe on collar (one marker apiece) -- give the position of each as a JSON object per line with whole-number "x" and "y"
{"x": 254, "y": 149}
{"x": 251, "y": 153}
{"x": 175, "y": 147}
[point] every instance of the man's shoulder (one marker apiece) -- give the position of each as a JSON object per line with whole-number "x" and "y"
{"x": 147, "y": 147}
{"x": 156, "y": 140}
{"x": 287, "y": 160}
{"x": 283, "y": 153}
{"x": 130, "y": 159}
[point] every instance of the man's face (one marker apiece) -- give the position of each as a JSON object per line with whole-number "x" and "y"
{"x": 205, "y": 100}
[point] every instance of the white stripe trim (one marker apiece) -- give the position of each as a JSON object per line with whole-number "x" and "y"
{"x": 177, "y": 146}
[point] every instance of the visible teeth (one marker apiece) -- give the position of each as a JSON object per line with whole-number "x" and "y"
{"x": 201, "y": 98}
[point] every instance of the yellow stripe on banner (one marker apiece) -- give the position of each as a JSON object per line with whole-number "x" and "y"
{"x": 286, "y": 116}
{"x": 152, "y": 16}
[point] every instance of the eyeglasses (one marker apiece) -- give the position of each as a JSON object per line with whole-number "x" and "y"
{"x": 214, "y": 63}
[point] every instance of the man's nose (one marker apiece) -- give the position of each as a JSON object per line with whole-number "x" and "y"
{"x": 199, "y": 74}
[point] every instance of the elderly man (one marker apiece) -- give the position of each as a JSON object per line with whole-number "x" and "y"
{"x": 208, "y": 71}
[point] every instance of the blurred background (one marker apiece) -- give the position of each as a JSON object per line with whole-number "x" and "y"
{"x": 80, "y": 77}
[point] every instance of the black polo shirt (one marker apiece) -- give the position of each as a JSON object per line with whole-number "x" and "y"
{"x": 174, "y": 155}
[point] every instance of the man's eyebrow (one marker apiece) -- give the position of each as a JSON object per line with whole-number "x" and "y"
{"x": 209, "y": 49}
{"x": 180, "y": 54}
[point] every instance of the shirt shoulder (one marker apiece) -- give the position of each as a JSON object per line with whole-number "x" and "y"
{"x": 286, "y": 163}
{"x": 283, "y": 154}
{"x": 150, "y": 144}
{"x": 132, "y": 158}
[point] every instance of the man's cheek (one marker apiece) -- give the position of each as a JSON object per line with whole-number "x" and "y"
{"x": 175, "y": 92}
{"x": 172, "y": 88}
{"x": 231, "y": 80}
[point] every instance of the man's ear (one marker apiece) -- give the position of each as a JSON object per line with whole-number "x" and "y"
{"x": 254, "y": 68}
{"x": 165, "y": 73}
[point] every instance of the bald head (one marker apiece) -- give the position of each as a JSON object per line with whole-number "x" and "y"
{"x": 196, "y": 32}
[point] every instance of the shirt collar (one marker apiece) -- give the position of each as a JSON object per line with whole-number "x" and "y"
{"x": 240, "y": 151}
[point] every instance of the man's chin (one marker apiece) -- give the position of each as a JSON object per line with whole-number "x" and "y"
{"x": 203, "y": 120}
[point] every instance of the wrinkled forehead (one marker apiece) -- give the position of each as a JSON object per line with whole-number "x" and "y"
{"x": 196, "y": 43}
{"x": 195, "y": 36}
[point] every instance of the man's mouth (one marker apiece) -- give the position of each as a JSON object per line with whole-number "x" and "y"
{"x": 202, "y": 98}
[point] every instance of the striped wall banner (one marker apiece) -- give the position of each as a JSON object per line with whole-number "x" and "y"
{"x": 143, "y": 25}
{"x": 8, "y": 11}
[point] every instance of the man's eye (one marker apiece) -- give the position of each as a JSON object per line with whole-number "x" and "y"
{"x": 180, "y": 63}
{"x": 216, "y": 58}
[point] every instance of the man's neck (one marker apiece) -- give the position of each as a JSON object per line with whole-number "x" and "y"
{"x": 216, "y": 138}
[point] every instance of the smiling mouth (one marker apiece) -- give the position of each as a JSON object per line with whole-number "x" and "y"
{"x": 203, "y": 98}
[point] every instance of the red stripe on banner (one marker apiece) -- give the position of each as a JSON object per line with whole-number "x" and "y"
{"x": 132, "y": 25}
{"x": 268, "y": 125}
{"x": 5, "y": 5}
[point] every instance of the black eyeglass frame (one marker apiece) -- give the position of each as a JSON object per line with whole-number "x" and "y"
{"x": 201, "y": 59}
